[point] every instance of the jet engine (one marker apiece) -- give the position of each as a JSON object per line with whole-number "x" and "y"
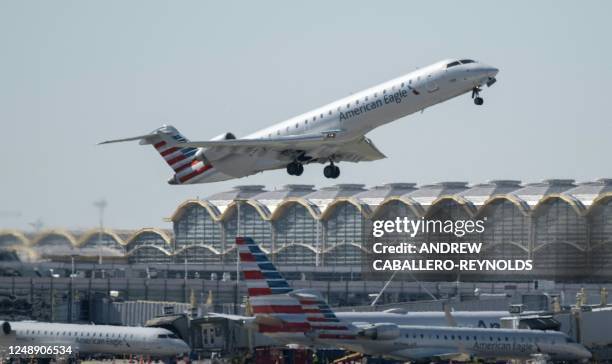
{"x": 200, "y": 153}
{"x": 224, "y": 136}
{"x": 381, "y": 332}
{"x": 6, "y": 328}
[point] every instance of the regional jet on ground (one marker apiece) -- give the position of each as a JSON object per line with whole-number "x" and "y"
{"x": 263, "y": 278}
{"x": 330, "y": 134}
{"x": 303, "y": 317}
{"x": 70, "y": 340}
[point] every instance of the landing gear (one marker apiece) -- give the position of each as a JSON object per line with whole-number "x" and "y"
{"x": 295, "y": 169}
{"x": 475, "y": 95}
{"x": 331, "y": 171}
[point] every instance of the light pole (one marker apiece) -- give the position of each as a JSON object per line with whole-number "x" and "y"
{"x": 100, "y": 205}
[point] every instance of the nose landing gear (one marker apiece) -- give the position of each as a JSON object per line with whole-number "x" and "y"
{"x": 331, "y": 171}
{"x": 295, "y": 169}
{"x": 476, "y": 96}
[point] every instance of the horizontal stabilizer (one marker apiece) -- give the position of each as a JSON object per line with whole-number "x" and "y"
{"x": 140, "y": 137}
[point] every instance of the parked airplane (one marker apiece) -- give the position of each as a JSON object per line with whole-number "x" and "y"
{"x": 329, "y": 134}
{"x": 419, "y": 343}
{"x": 263, "y": 278}
{"x": 73, "y": 339}
{"x": 303, "y": 317}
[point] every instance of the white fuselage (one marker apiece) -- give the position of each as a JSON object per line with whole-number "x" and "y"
{"x": 354, "y": 116}
{"x": 482, "y": 319}
{"x": 426, "y": 342}
{"x": 93, "y": 339}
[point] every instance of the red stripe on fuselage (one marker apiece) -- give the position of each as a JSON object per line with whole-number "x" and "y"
{"x": 159, "y": 145}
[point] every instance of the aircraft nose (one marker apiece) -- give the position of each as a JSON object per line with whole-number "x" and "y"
{"x": 489, "y": 71}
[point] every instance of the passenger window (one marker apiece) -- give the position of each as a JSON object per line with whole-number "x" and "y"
{"x": 366, "y": 98}
{"x": 357, "y": 102}
{"x": 384, "y": 91}
{"x": 296, "y": 125}
{"x": 330, "y": 112}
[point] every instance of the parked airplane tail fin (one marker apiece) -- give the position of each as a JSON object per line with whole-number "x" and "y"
{"x": 261, "y": 276}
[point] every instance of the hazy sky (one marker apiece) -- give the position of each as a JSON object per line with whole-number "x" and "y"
{"x": 73, "y": 73}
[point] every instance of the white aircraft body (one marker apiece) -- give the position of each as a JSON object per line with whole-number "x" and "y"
{"x": 481, "y": 319}
{"x": 417, "y": 343}
{"x": 90, "y": 339}
{"x": 330, "y": 134}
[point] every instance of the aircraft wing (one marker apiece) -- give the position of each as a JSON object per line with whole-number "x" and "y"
{"x": 320, "y": 147}
{"x": 281, "y": 142}
{"x": 260, "y": 319}
{"x": 357, "y": 151}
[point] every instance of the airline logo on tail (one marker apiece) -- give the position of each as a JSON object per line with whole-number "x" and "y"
{"x": 271, "y": 295}
{"x": 181, "y": 160}
{"x": 260, "y": 275}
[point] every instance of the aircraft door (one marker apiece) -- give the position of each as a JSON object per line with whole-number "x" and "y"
{"x": 430, "y": 84}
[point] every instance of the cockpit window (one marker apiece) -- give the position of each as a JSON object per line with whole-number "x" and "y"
{"x": 172, "y": 336}
{"x": 453, "y": 64}
{"x": 162, "y": 336}
{"x": 464, "y": 61}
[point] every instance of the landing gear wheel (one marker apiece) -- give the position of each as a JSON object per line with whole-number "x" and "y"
{"x": 476, "y": 96}
{"x": 295, "y": 169}
{"x": 328, "y": 171}
{"x": 331, "y": 171}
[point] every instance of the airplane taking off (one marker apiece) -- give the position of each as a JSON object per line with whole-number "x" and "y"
{"x": 330, "y": 134}
{"x": 73, "y": 339}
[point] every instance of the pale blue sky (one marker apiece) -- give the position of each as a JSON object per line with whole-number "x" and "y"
{"x": 73, "y": 73}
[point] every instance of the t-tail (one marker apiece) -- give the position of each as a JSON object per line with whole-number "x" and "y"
{"x": 186, "y": 162}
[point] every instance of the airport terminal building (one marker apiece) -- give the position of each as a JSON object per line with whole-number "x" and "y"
{"x": 565, "y": 227}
